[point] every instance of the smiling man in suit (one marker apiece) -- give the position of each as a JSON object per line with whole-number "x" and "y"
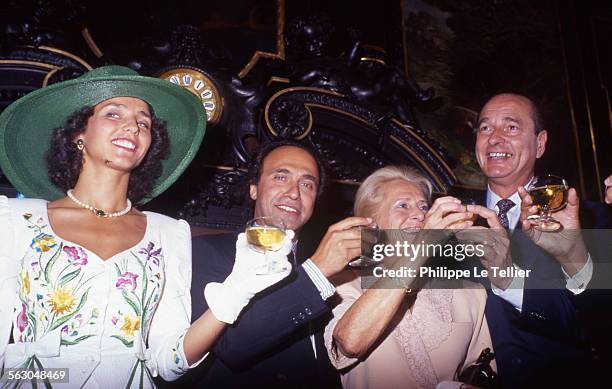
{"x": 535, "y": 330}
{"x": 277, "y": 341}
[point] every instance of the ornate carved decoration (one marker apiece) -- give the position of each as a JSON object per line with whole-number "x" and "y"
{"x": 34, "y": 46}
{"x": 376, "y": 133}
{"x": 187, "y": 47}
{"x": 224, "y": 191}
{"x": 363, "y": 74}
{"x": 40, "y": 23}
{"x": 289, "y": 119}
{"x": 308, "y": 36}
{"x": 280, "y": 43}
{"x": 355, "y": 107}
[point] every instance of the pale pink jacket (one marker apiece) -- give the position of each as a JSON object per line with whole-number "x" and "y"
{"x": 443, "y": 332}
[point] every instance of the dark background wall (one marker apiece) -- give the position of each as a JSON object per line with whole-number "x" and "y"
{"x": 556, "y": 51}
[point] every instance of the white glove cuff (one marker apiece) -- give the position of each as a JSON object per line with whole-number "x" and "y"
{"x": 224, "y": 302}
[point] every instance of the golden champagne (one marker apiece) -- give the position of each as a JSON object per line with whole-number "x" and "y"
{"x": 550, "y": 197}
{"x": 266, "y": 238}
{"x": 472, "y": 218}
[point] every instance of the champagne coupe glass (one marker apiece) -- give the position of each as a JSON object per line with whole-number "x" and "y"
{"x": 549, "y": 194}
{"x": 370, "y": 235}
{"x": 266, "y": 234}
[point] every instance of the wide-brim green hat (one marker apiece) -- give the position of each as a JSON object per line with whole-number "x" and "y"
{"x": 27, "y": 124}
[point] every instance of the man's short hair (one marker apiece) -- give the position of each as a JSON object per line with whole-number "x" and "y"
{"x": 536, "y": 113}
{"x": 256, "y": 164}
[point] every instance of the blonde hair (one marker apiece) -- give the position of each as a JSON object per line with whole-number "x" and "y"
{"x": 368, "y": 195}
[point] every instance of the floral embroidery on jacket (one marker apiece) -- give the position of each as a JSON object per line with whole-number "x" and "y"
{"x": 77, "y": 256}
{"x": 139, "y": 281}
{"x": 51, "y": 295}
{"x": 66, "y": 295}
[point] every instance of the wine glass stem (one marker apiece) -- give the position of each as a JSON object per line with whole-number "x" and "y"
{"x": 267, "y": 267}
{"x": 545, "y": 213}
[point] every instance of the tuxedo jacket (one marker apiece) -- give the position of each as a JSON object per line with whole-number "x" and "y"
{"x": 269, "y": 345}
{"x": 545, "y": 344}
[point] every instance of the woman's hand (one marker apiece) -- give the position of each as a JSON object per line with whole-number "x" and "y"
{"x": 447, "y": 212}
{"x": 495, "y": 244}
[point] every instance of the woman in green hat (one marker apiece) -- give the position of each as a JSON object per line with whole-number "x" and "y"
{"x": 88, "y": 282}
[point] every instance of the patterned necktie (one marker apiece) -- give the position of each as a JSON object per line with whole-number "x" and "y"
{"x": 504, "y": 205}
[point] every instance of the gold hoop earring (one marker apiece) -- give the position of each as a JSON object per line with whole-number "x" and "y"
{"x": 80, "y": 144}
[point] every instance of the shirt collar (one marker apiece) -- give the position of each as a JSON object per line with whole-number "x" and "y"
{"x": 515, "y": 212}
{"x": 493, "y": 198}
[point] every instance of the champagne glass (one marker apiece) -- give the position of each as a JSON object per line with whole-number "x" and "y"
{"x": 549, "y": 194}
{"x": 370, "y": 235}
{"x": 468, "y": 201}
{"x": 266, "y": 234}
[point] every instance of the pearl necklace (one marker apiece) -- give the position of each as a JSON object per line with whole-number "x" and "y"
{"x": 98, "y": 212}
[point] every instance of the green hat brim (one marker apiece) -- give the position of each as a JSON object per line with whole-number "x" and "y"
{"x": 26, "y": 126}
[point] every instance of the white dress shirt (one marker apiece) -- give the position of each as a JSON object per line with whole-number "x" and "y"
{"x": 326, "y": 289}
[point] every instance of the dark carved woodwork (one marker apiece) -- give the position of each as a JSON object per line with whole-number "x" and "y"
{"x": 378, "y": 130}
{"x": 352, "y": 105}
{"x": 308, "y": 36}
{"x": 183, "y": 46}
{"x": 25, "y": 69}
{"x": 243, "y": 121}
{"x": 289, "y": 119}
{"x": 354, "y": 109}
{"x": 226, "y": 191}
{"x": 40, "y": 23}
{"x": 38, "y": 43}
{"x": 364, "y": 74}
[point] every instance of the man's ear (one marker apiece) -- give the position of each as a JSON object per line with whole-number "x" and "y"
{"x": 253, "y": 192}
{"x": 542, "y": 138}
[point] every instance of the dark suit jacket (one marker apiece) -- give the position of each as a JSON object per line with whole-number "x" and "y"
{"x": 545, "y": 344}
{"x": 270, "y": 345}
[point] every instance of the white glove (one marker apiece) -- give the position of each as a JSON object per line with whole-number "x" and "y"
{"x": 226, "y": 300}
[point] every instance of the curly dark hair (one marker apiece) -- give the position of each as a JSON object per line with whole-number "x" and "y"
{"x": 65, "y": 160}
{"x": 256, "y": 163}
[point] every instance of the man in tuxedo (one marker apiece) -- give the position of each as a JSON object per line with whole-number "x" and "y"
{"x": 277, "y": 341}
{"x": 535, "y": 331}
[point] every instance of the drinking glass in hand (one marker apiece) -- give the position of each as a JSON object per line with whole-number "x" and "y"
{"x": 370, "y": 235}
{"x": 549, "y": 194}
{"x": 469, "y": 201}
{"x": 266, "y": 234}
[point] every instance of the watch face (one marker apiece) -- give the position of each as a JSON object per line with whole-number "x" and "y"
{"x": 200, "y": 85}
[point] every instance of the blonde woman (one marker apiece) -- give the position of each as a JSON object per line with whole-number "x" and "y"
{"x": 382, "y": 338}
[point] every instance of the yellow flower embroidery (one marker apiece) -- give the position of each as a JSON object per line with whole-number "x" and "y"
{"x": 43, "y": 243}
{"x": 61, "y": 300}
{"x": 130, "y": 324}
{"x": 25, "y": 282}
